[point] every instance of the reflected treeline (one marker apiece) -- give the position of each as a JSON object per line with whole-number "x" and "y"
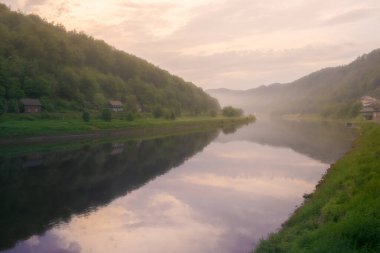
{"x": 40, "y": 190}
{"x": 325, "y": 141}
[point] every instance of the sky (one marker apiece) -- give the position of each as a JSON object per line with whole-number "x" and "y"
{"x": 236, "y": 44}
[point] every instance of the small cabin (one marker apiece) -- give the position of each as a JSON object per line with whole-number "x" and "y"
{"x": 370, "y": 108}
{"x": 31, "y": 105}
{"x": 368, "y": 101}
{"x": 115, "y": 105}
{"x": 367, "y": 112}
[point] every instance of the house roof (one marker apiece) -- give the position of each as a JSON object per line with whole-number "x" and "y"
{"x": 368, "y": 101}
{"x": 116, "y": 103}
{"x": 30, "y": 101}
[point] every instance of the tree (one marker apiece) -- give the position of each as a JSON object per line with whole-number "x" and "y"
{"x": 130, "y": 116}
{"x": 99, "y": 99}
{"x": 106, "y": 114}
{"x": 157, "y": 112}
{"x": 86, "y": 116}
{"x": 2, "y": 91}
{"x": 12, "y": 105}
{"x": 40, "y": 59}
{"x": 2, "y": 106}
{"x": 230, "y": 111}
{"x": 172, "y": 116}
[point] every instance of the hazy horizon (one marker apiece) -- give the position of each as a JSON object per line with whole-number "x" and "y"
{"x": 223, "y": 44}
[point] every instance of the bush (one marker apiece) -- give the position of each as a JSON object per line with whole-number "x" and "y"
{"x": 157, "y": 112}
{"x": 130, "y": 116}
{"x": 47, "y": 105}
{"x": 13, "y": 105}
{"x": 2, "y": 106}
{"x": 86, "y": 116}
{"x": 45, "y": 116}
{"x": 106, "y": 115}
{"x": 230, "y": 111}
{"x": 172, "y": 116}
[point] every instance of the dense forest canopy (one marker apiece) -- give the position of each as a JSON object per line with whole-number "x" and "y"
{"x": 68, "y": 70}
{"x": 331, "y": 92}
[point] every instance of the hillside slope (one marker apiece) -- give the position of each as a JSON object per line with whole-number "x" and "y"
{"x": 330, "y": 91}
{"x": 70, "y": 70}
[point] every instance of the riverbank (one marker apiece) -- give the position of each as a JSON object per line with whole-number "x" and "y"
{"x": 318, "y": 118}
{"x": 18, "y": 131}
{"x": 342, "y": 215}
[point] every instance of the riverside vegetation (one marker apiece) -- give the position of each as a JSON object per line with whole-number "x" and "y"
{"x": 12, "y": 125}
{"x": 71, "y": 71}
{"x": 75, "y": 76}
{"x": 342, "y": 215}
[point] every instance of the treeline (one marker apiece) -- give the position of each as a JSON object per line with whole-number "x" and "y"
{"x": 331, "y": 92}
{"x": 68, "y": 70}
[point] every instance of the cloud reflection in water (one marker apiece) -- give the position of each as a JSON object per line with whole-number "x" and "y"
{"x": 222, "y": 200}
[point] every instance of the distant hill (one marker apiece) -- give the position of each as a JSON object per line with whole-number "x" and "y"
{"x": 331, "y": 92}
{"x": 70, "y": 70}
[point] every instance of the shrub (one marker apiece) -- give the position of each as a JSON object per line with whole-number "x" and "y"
{"x": 2, "y": 106}
{"x": 13, "y": 105}
{"x": 172, "y": 116}
{"x": 45, "y": 116}
{"x": 86, "y": 116}
{"x": 47, "y": 105}
{"x": 106, "y": 115}
{"x": 157, "y": 112}
{"x": 130, "y": 116}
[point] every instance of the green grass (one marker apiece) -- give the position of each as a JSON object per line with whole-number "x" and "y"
{"x": 318, "y": 118}
{"x": 30, "y": 125}
{"x": 343, "y": 214}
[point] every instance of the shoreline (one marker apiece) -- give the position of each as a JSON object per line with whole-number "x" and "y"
{"x": 160, "y": 128}
{"x": 341, "y": 215}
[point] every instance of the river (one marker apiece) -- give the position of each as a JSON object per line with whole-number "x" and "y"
{"x": 217, "y": 191}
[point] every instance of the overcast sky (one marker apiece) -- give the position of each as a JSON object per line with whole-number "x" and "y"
{"x": 235, "y": 44}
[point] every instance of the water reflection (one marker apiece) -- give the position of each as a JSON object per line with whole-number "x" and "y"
{"x": 38, "y": 191}
{"x": 224, "y": 199}
{"x": 325, "y": 141}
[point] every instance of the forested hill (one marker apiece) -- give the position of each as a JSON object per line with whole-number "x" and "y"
{"x": 331, "y": 92}
{"x": 68, "y": 70}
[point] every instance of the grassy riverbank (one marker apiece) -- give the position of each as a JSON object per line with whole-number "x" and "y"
{"x": 41, "y": 144}
{"x": 318, "y": 118}
{"x": 27, "y": 127}
{"x": 343, "y": 214}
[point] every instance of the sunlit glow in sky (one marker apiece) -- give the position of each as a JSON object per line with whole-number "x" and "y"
{"x": 235, "y": 44}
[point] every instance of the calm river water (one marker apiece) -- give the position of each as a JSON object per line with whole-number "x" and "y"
{"x": 218, "y": 191}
